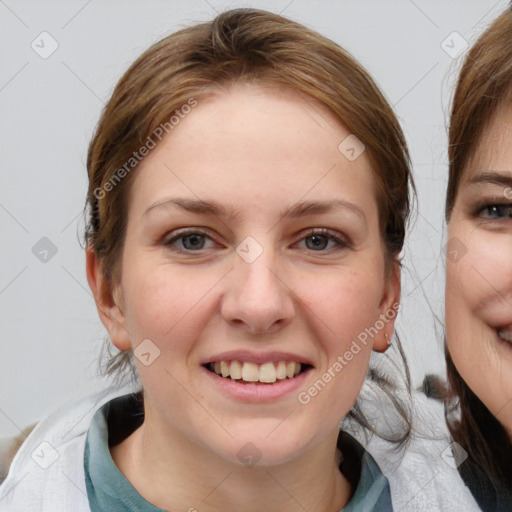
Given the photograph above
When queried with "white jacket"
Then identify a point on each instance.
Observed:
(47, 473)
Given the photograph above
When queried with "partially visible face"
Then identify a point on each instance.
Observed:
(479, 272)
(267, 301)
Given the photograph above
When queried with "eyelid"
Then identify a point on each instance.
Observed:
(485, 203)
(341, 240)
(479, 207)
(181, 233)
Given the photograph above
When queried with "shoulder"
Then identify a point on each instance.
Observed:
(370, 487)
(423, 476)
(9, 446)
(48, 467)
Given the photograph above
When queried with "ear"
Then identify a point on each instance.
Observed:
(108, 302)
(388, 309)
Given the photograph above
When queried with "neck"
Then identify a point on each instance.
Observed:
(180, 475)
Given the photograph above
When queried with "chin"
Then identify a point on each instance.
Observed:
(258, 450)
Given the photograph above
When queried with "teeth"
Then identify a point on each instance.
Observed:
(235, 370)
(281, 370)
(267, 372)
(252, 372)
(505, 335)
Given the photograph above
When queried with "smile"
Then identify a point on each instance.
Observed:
(505, 334)
(266, 373)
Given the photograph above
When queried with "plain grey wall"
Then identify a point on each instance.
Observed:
(52, 88)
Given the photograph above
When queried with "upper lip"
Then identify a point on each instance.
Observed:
(257, 357)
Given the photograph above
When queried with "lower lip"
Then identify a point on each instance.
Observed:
(257, 392)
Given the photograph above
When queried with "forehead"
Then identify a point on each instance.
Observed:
(259, 141)
(494, 148)
(259, 117)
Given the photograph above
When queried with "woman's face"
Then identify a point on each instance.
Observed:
(479, 272)
(253, 247)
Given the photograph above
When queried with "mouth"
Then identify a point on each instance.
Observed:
(505, 333)
(249, 372)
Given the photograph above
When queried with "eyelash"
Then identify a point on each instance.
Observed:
(480, 208)
(331, 235)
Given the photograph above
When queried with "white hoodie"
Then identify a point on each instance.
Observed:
(47, 473)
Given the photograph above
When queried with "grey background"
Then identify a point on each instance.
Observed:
(50, 331)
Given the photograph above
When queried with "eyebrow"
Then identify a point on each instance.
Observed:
(495, 178)
(297, 210)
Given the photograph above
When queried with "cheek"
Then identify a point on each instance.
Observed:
(342, 312)
(478, 296)
(164, 302)
(466, 292)
(490, 256)
(479, 280)
(346, 299)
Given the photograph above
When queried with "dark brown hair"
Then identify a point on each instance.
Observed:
(238, 46)
(484, 83)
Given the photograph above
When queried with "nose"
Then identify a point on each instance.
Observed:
(257, 297)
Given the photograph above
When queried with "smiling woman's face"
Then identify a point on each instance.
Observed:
(222, 271)
(479, 272)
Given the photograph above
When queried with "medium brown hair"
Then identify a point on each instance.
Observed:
(484, 84)
(238, 46)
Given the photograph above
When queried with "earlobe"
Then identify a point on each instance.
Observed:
(108, 302)
(388, 307)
